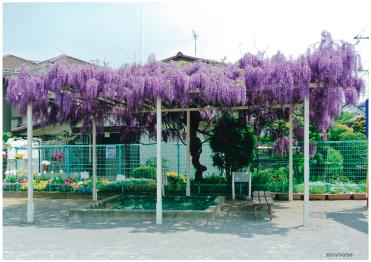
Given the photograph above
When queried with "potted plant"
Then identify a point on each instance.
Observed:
(298, 192)
(45, 164)
(298, 196)
(338, 193)
(59, 157)
(341, 196)
(317, 192)
(359, 192)
(359, 196)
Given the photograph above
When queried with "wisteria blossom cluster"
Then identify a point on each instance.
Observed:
(281, 147)
(70, 93)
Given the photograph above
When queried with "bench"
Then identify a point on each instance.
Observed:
(262, 198)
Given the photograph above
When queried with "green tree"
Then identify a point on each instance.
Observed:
(359, 125)
(233, 143)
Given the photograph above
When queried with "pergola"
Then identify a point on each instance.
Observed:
(90, 93)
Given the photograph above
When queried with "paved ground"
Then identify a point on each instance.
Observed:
(338, 230)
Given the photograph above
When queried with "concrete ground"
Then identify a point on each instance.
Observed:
(338, 230)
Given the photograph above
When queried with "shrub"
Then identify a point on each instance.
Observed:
(317, 187)
(145, 171)
(152, 162)
(327, 164)
(335, 162)
(354, 159)
(214, 179)
(352, 136)
(12, 179)
(359, 124)
(57, 180)
(340, 188)
(271, 176)
(331, 188)
(336, 132)
(233, 143)
(131, 184)
(175, 178)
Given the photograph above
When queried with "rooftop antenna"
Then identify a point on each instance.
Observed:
(195, 36)
(359, 38)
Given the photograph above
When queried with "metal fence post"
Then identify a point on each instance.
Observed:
(178, 147)
(15, 159)
(120, 160)
(68, 160)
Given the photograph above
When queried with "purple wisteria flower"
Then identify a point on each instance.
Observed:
(84, 93)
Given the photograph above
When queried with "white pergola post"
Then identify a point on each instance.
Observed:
(291, 170)
(94, 127)
(159, 164)
(30, 211)
(233, 189)
(188, 155)
(306, 161)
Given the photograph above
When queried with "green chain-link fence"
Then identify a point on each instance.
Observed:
(333, 163)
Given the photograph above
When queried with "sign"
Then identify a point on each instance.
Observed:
(120, 178)
(110, 152)
(241, 177)
(84, 175)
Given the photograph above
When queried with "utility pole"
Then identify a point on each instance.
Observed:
(357, 40)
(195, 36)
(141, 33)
(105, 63)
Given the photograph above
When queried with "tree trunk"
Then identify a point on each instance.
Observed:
(196, 146)
(228, 173)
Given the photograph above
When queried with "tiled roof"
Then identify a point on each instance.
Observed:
(181, 57)
(70, 60)
(12, 63)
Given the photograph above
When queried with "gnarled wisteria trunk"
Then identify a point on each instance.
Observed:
(196, 146)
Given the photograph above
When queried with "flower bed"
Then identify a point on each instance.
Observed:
(333, 188)
(175, 185)
(69, 184)
(47, 183)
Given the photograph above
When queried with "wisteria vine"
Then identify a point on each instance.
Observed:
(70, 93)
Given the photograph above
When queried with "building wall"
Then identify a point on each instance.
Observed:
(6, 111)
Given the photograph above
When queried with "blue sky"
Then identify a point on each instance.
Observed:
(112, 32)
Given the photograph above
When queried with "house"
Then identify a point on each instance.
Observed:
(12, 120)
(11, 66)
(15, 123)
(358, 110)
